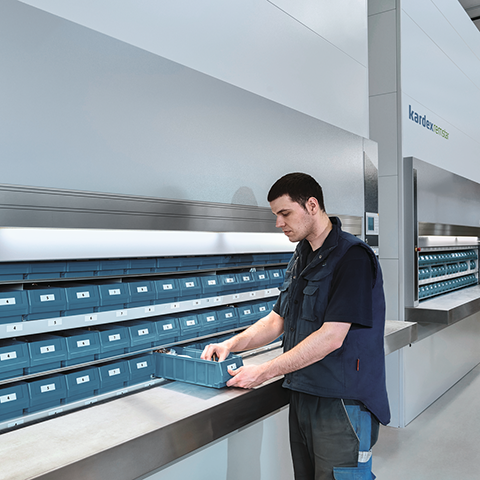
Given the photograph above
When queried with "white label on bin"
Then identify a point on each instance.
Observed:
(211, 318)
(47, 349)
(190, 322)
(212, 282)
(8, 398)
(113, 338)
(247, 312)
(262, 309)
(115, 371)
(142, 365)
(229, 315)
(8, 356)
(233, 366)
(7, 301)
(115, 291)
(47, 388)
(90, 318)
(168, 326)
(121, 313)
(83, 343)
(14, 327)
(83, 295)
(84, 379)
(142, 289)
(144, 331)
(276, 274)
(53, 322)
(261, 276)
(246, 279)
(47, 298)
(168, 286)
(190, 284)
(230, 280)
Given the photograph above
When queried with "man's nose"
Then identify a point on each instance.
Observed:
(279, 223)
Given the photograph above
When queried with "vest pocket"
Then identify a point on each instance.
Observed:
(309, 300)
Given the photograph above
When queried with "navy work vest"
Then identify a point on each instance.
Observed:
(356, 371)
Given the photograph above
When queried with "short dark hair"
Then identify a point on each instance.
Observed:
(299, 187)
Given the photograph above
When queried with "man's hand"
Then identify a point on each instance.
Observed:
(218, 349)
(248, 376)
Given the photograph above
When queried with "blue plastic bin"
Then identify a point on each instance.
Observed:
(143, 334)
(141, 293)
(141, 265)
(46, 393)
(262, 279)
(168, 330)
(81, 299)
(81, 268)
(82, 384)
(113, 296)
(187, 366)
(260, 309)
(46, 303)
(14, 399)
(246, 314)
(168, 290)
(229, 283)
(211, 286)
(167, 264)
(13, 271)
(13, 306)
(190, 288)
(113, 376)
(246, 282)
(113, 267)
(114, 340)
(14, 358)
(141, 369)
(228, 317)
(82, 346)
(47, 352)
(41, 270)
(209, 321)
(190, 326)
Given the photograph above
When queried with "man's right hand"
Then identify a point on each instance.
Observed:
(218, 349)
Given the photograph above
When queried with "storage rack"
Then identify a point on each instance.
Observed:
(143, 303)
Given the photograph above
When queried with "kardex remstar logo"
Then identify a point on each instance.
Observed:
(424, 122)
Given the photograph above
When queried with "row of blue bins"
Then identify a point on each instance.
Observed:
(10, 271)
(43, 352)
(432, 289)
(51, 302)
(446, 257)
(447, 269)
(53, 391)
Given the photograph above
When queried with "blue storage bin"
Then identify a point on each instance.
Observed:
(46, 303)
(228, 317)
(14, 399)
(262, 279)
(187, 366)
(82, 384)
(167, 290)
(246, 282)
(188, 263)
(113, 376)
(209, 321)
(141, 369)
(14, 358)
(114, 340)
(167, 264)
(82, 346)
(47, 352)
(112, 267)
(143, 334)
(276, 277)
(113, 296)
(260, 309)
(141, 293)
(13, 306)
(228, 282)
(13, 271)
(142, 265)
(246, 314)
(39, 270)
(81, 268)
(211, 286)
(260, 258)
(190, 326)
(271, 303)
(81, 299)
(212, 261)
(168, 330)
(190, 288)
(46, 393)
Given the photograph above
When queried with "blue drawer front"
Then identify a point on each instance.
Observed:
(167, 264)
(246, 282)
(47, 352)
(246, 314)
(46, 392)
(81, 299)
(212, 261)
(113, 267)
(229, 283)
(13, 305)
(168, 290)
(211, 285)
(189, 326)
(113, 376)
(209, 321)
(143, 334)
(228, 317)
(113, 296)
(82, 346)
(141, 369)
(142, 265)
(13, 271)
(114, 340)
(260, 309)
(46, 270)
(276, 277)
(46, 303)
(14, 399)
(190, 288)
(262, 279)
(188, 263)
(82, 384)
(168, 330)
(261, 258)
(14, 357)
(141, 293)
(80, 268)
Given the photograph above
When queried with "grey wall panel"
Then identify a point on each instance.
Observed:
(83, 111)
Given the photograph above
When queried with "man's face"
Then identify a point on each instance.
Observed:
(295, 222)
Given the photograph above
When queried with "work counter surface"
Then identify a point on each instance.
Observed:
(141, 432)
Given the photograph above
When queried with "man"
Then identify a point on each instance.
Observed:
(331, 310)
